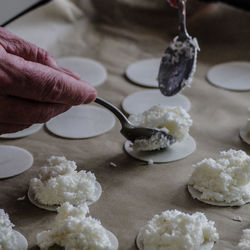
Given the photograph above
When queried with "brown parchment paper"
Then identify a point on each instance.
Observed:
(134, 191)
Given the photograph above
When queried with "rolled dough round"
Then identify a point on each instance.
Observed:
(28, 131)
(244, 135)
(31, 196)
(177, 151)
(231, 76)
(141, 101)
(82, 121)
(140, 246)
(144, 72)
(114, 241)
(89, 70)
(14, 161)
(21, 241)
(111, 236)
(197, 195)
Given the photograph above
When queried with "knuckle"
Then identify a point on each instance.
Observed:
(45, 58)
(53, 88)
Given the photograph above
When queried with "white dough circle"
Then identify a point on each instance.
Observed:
(140, 246)
(177, 151)
(114, 241)
(231, 76)
(245, 136)
(196, 194)
(82, 121)
(32, 199)
(28, 131)
(89, 70)
(144, 72)
(141, 101)
(14, 161)
(21, 241)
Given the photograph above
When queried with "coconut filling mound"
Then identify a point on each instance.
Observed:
(187, 49)
(8, 239)
(244, 243)
(173, 229)
(226, 179)
(172, 120)
(60, 182)
(72, 229)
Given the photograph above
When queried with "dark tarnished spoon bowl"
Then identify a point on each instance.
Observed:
(178, 63)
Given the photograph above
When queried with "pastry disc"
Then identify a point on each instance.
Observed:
(89, 70)
(197, 195)
(177, 151)
(245, 136)
(113, 240)
(144, 72)
(231, 76)
(31, 196)
(82, 121)
(141, 101)
(14, 161)
(21, 241)
(28, 131)
(139, 243)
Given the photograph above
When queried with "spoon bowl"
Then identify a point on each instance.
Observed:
(131, 132)
(178, 63)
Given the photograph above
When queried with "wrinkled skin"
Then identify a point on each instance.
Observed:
(33, 88)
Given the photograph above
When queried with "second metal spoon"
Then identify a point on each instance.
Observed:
(178, 63)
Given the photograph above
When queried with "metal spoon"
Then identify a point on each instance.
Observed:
(130, 131)
(178, 64)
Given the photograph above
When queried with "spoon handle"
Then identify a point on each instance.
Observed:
(122, 118)
(183, 34)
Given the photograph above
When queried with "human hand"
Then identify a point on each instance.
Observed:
(33, 88)
(173, 3)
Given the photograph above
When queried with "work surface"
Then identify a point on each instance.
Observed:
(134, 191)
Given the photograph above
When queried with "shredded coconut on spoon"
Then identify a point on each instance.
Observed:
(172, 120)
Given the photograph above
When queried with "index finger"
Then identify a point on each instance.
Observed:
(39, 82)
